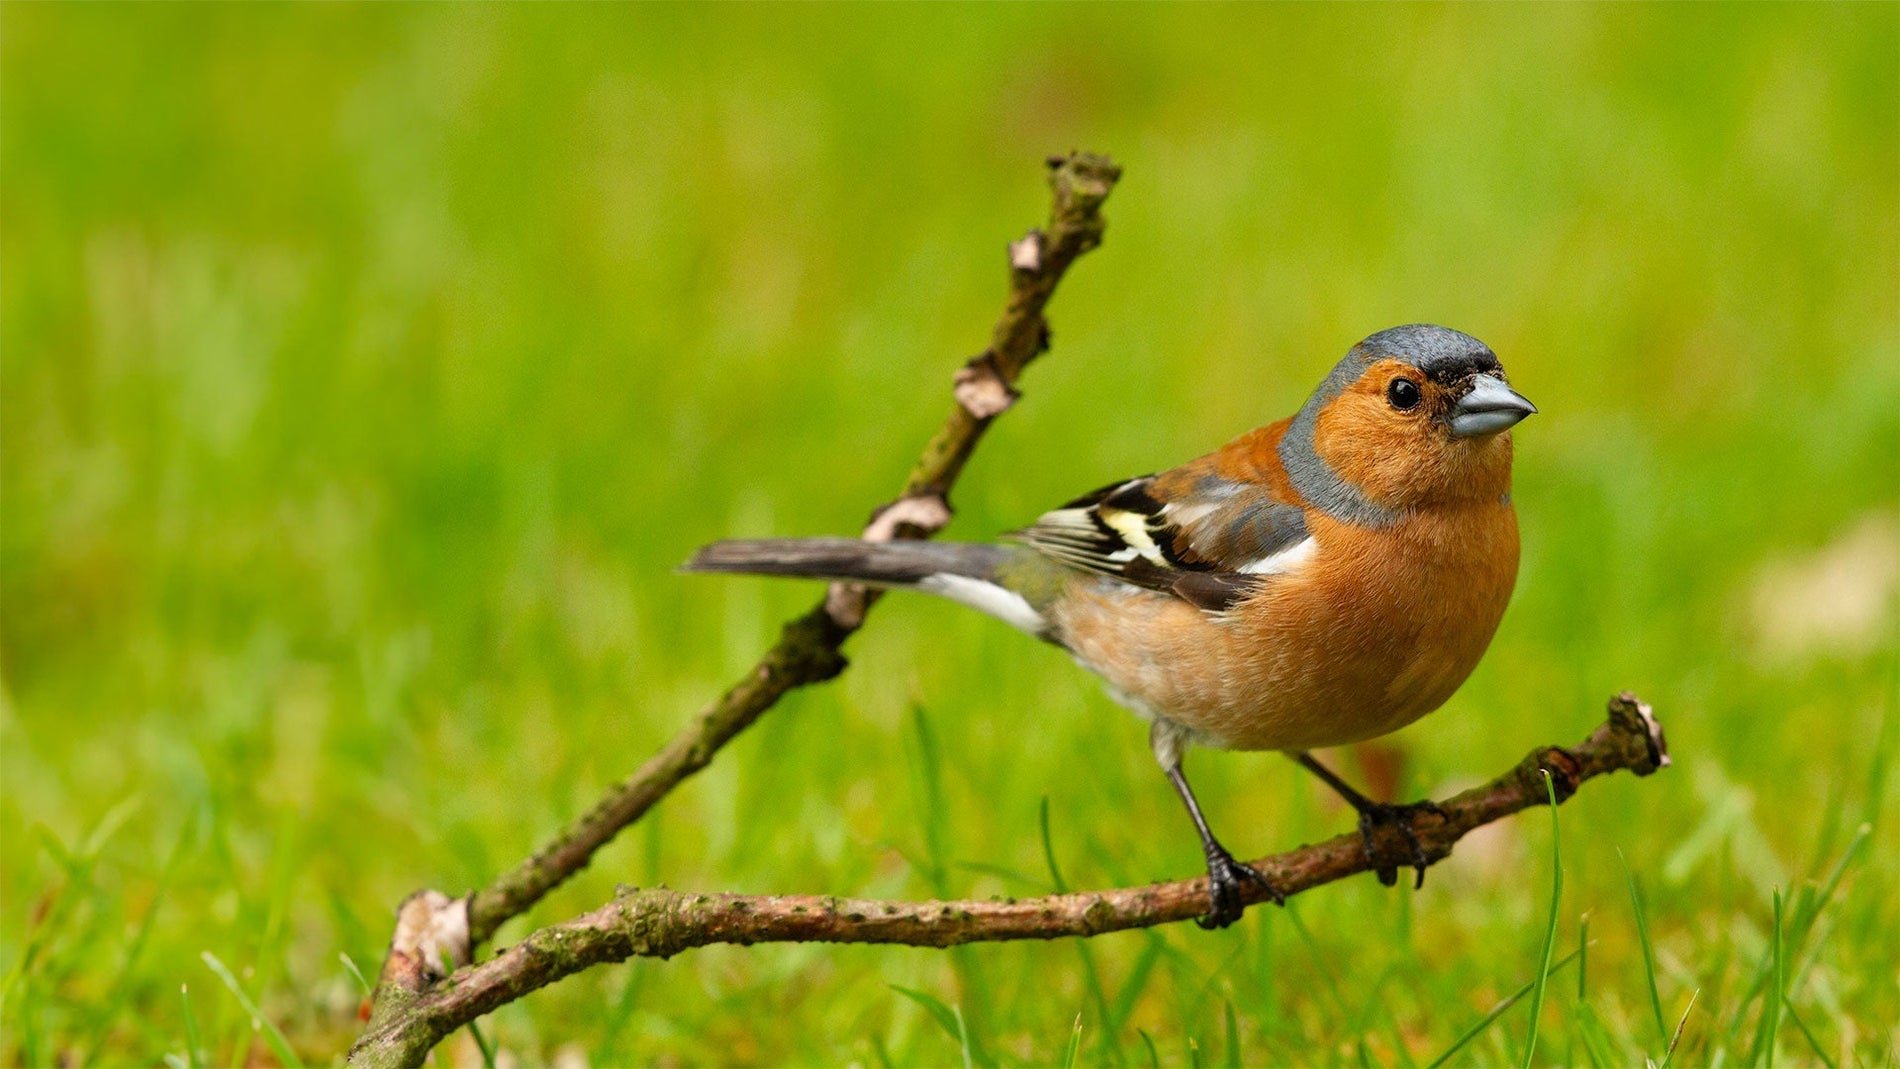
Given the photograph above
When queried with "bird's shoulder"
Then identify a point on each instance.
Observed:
(1210, 531)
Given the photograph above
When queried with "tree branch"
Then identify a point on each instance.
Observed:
(431, 927)
(807, 650)
(660, 923)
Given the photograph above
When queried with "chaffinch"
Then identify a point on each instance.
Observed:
(1319, 581)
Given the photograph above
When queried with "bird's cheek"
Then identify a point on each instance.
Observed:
(1369, 451)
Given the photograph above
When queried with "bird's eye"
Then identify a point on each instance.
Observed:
(1403, 394)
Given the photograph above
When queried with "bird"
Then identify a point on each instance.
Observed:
(1315, 582)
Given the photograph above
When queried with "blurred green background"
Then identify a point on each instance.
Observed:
(367, 370)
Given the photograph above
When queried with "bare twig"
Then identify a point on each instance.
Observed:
(807, 652)
(808, 648)
(660, 923)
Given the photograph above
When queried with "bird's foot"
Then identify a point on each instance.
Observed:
(1375, 815)
(1224, 878)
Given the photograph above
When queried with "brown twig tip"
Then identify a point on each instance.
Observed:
(1082, 180)
(1637, 713)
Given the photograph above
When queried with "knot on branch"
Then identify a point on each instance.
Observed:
(1025, 254)
(430, 942)
(1566, 772)
(980, 388)
(652, 922)
(910, 516)
(916, 515)
(807, 649)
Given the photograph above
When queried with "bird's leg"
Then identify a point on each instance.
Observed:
(1373, 814)
(1224, 874)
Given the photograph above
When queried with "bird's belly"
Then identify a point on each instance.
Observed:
(1312, 662)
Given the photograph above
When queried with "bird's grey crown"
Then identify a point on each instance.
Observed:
(1443, 354)
(1440, 352)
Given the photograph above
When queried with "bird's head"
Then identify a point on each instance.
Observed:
(1413, 416)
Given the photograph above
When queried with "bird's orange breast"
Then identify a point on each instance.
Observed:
(1379, 628)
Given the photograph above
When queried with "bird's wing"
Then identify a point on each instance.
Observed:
(1203, 536)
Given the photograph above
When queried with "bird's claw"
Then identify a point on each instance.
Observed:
(1224, 877)
(1380, 814)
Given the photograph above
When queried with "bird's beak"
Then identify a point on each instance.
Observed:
(1490, 407)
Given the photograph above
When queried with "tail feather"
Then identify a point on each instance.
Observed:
(903, 563)
(963, 572)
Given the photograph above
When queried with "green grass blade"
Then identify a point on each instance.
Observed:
(1649, 952)
(1292, 914)
(278, 1044)
(1804, 921)
(1676, 1039)
(1092, 978)
(1779, 994)
(946, 1018)
(1814, 902)
(129, 972)
(1886, 742)
(619, 1015)
(1862, 836)
(1091, 975)
(1586, 1027)
(58, 907)
(194, 1042)
(1137, 981)
(927, 784)
(39, 960)
(1504, 1005)
(1049, 851)
(1583, 956)
(1204, 995)
(349, 964)
(1813, 1043)
(1075, 1044)
(1375, 1001)
(1402, 1057)
(1550, 925)
(1232, 1034)
(481, 1044)
(109, 825)
(985, 868)
(1154, 1056)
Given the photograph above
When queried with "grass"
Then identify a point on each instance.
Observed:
(365, 372)
(1550, 926)
(1649, 953)
(279, 1046)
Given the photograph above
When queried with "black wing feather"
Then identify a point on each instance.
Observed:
(1127, 531)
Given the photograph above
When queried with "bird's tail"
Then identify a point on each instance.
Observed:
(964, 572)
